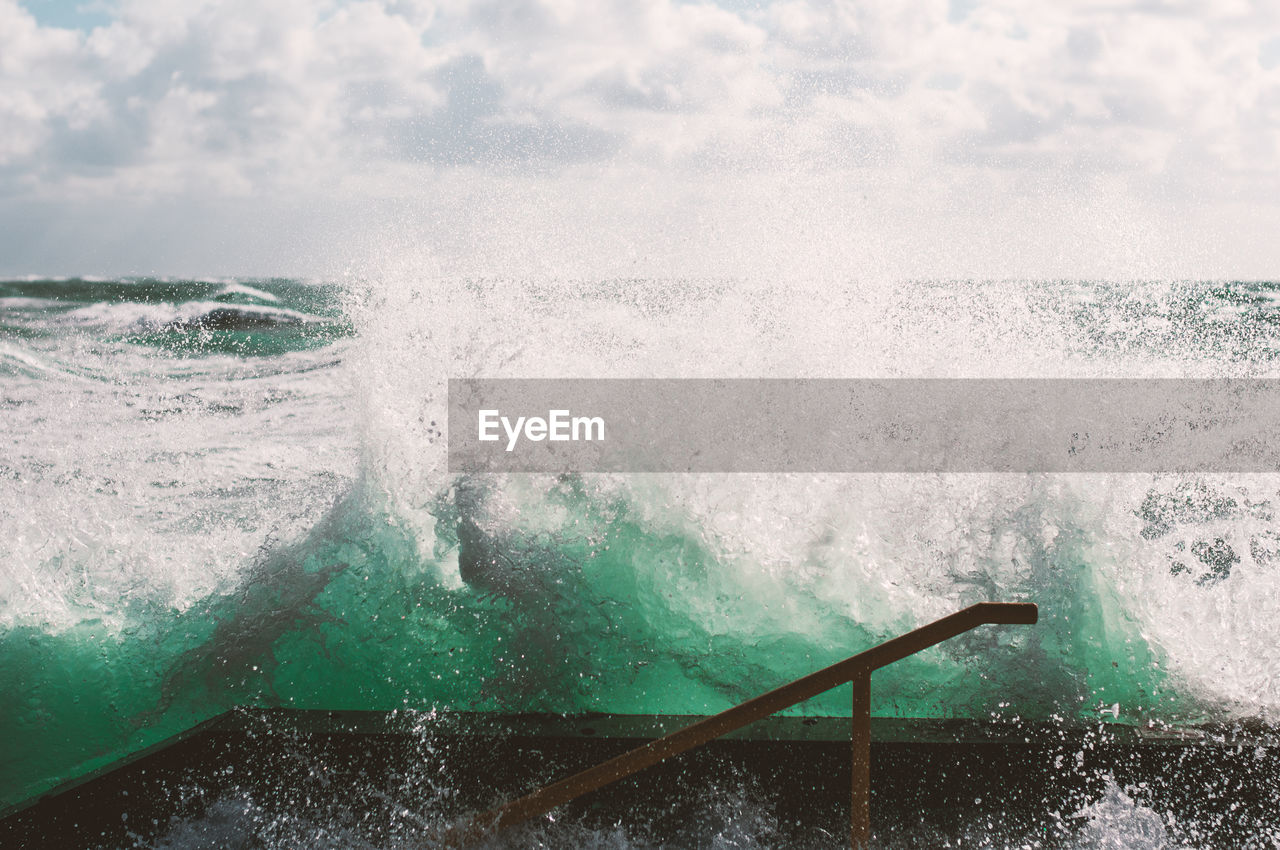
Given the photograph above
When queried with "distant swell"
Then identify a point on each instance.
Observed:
(192, 315)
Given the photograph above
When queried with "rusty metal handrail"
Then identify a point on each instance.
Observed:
(856, 669)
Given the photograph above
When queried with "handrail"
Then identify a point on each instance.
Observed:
(856, 669)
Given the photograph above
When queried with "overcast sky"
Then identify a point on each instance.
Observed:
(651, 137)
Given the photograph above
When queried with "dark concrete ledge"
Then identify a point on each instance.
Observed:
(335, 765)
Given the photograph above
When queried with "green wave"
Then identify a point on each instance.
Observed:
(620, 618)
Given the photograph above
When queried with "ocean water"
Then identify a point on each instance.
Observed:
(234, 492)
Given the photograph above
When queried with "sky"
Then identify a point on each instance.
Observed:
(563, 138)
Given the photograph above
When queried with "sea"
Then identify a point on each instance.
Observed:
(235, 492)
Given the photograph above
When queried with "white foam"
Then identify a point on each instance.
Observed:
(158, 481)
(880, 550)
(247, 291)
(1115, 821)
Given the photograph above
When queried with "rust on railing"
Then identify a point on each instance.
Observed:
(856, 669)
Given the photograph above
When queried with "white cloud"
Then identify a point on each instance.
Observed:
(928, 118)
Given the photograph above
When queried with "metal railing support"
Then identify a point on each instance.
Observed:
(856, 669)
(860, 800)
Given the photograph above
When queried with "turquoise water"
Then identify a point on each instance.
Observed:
(221, 493)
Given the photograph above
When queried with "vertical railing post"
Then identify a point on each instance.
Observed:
(860, 800)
